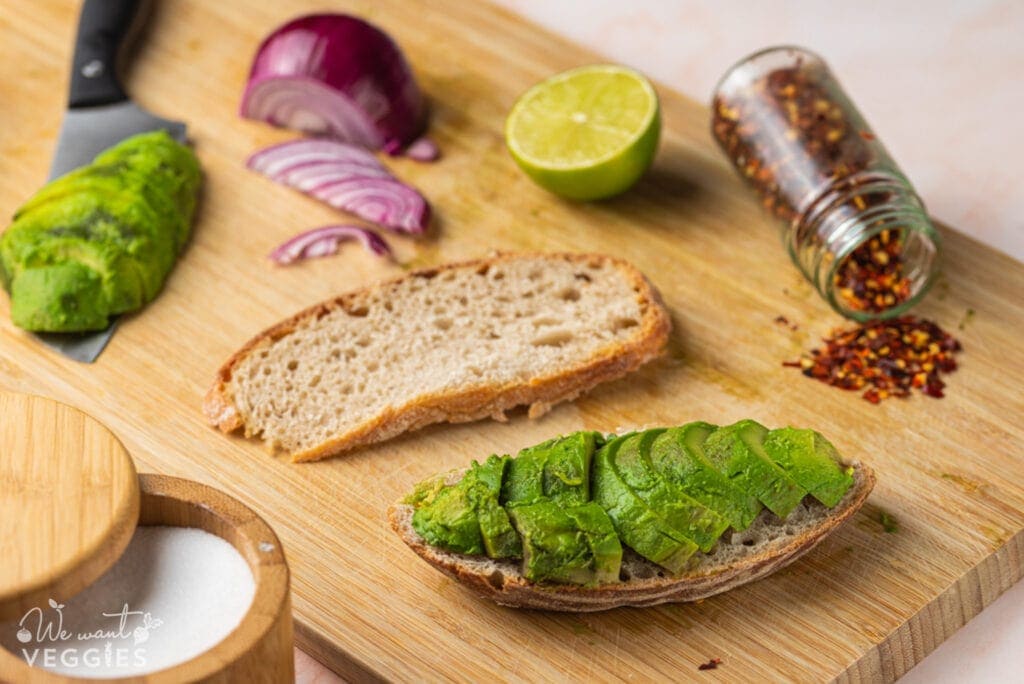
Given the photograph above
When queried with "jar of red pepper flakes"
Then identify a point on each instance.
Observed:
(853, 223)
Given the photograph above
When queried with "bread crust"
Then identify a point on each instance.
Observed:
(611, 363)
(506, 586)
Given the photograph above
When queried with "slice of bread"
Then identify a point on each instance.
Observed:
(739, 557)
(455, 343)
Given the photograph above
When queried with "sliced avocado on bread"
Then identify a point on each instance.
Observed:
(678, 456)
(467, 517)
(638, 525)
(634, 541)
(557, 468)
(737, 451)
(554, 547)
(599, 532)
(811, 461)
(694, 520)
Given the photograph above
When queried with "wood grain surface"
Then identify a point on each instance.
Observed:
(69, 502)
(866, 605)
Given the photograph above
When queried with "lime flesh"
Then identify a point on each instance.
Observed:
(587, 133)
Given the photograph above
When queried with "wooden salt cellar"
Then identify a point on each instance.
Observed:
(70, 500)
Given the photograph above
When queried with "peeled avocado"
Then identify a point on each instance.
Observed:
(568, 506)
(737, 451)
(697, 522)
(811, 461)
(104, 236)
(678, 456)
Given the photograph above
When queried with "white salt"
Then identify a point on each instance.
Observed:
(175, 593)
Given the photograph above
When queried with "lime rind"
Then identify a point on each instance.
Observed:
(541, 96)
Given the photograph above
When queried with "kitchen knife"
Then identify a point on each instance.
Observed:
(99, 115)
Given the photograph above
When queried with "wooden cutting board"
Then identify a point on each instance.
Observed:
(865, 605)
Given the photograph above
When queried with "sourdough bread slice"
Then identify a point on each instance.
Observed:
(455, 343)
(739, 557)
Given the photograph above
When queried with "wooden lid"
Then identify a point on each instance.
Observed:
(69, 502)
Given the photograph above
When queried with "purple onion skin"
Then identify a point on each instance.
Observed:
(350, 56)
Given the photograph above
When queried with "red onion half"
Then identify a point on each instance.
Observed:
(338, 76)
(324, 241)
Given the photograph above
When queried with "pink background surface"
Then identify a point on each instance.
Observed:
(942, 83)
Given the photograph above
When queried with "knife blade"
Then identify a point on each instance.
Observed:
(100, 114)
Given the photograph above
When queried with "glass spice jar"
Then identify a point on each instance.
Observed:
(853, 224)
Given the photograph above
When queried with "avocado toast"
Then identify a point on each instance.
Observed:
(643, 538)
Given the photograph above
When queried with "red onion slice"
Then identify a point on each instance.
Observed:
(278, 159)
(335, 75)
(311, 175)
(424, 150)
(324, 241)
(384, 201)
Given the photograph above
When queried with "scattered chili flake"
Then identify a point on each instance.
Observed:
(867, 135)
(710, 665)
(884, 358)
(782, 320)
(871, 278)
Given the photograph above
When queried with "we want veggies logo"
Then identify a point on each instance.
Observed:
(46, 642)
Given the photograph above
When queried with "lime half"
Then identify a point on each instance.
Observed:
(586, 133)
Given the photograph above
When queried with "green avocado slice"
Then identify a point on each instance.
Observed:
(737, 451)
(567, 469)
(466, 517)
(524, 480)
(695, 520)
(558, 469)
(554, 547)
(604, 544)
(448, 520)
(115, 224)
(80, 302)
(165, 166)
(637, 524)
(121, 187)
(811, 461)
(678, 455)
(499, 537)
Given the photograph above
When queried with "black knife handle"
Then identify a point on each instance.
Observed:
(102, 27)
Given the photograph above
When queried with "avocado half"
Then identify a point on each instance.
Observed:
(100, 240)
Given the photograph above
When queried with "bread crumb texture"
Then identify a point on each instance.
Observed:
(465, 331)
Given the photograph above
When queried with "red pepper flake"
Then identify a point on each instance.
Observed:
(884, 359)
(867, 135)
(871, 278)
(710, 665)
(782, 320)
